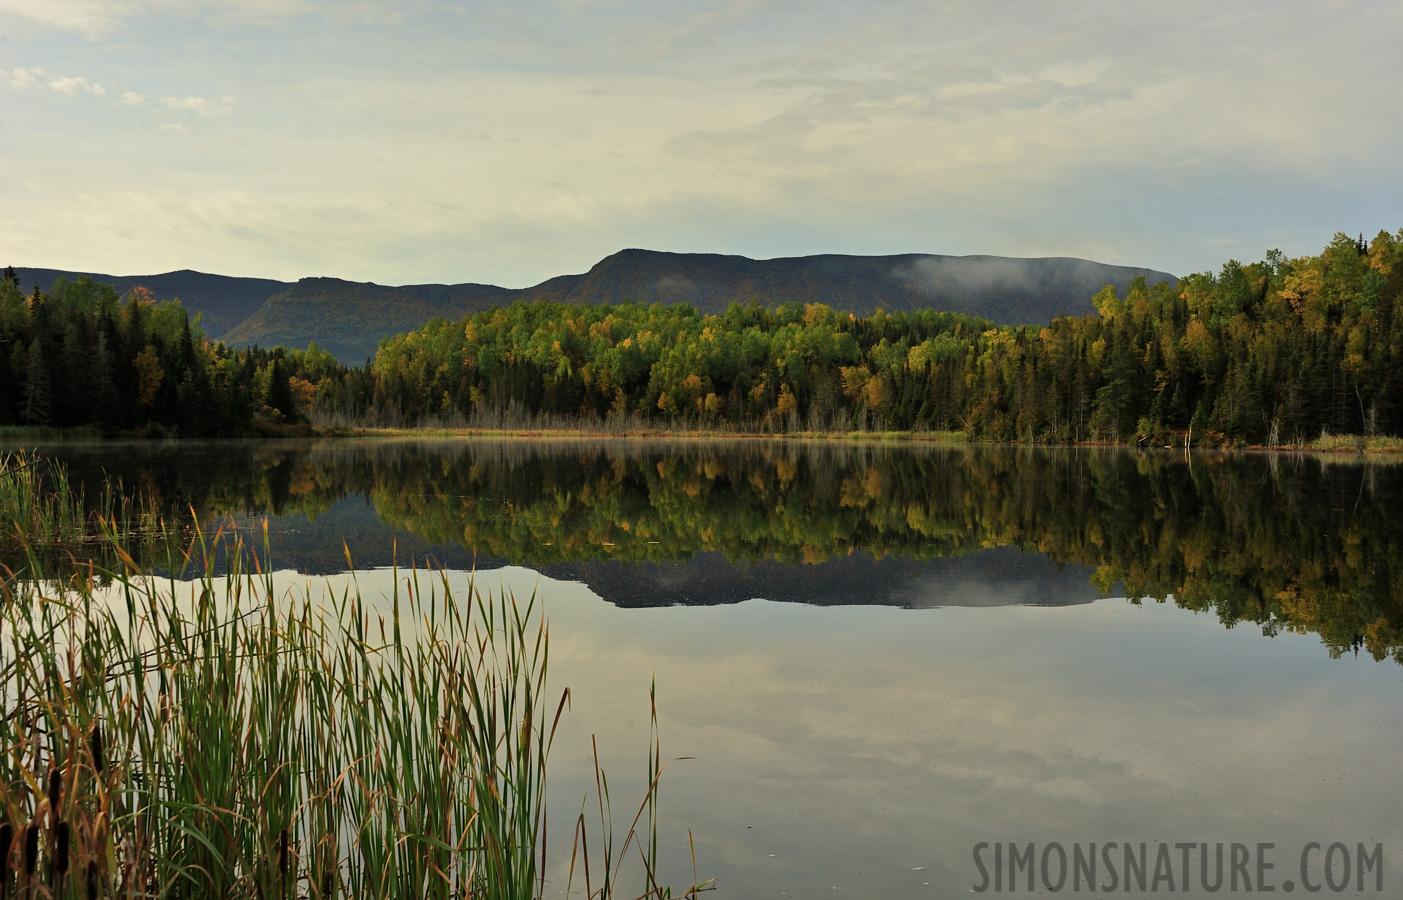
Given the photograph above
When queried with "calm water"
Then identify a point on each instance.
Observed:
(879, 657)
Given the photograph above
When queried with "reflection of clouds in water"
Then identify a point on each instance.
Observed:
(997, 576)
(892, 736)
(877, 739)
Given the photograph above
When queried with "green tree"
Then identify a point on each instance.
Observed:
(38, 393)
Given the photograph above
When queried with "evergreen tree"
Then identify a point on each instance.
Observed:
(280, 392)
(72, 394)
(106, 410)
(38, 394)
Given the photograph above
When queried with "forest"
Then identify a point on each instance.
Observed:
(1273, 352)
(81, 356)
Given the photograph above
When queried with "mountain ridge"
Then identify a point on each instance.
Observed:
(350, 318)
(224, 300)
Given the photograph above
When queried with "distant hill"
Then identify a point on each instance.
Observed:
(350, 318)
(345, 317)
(221, 300)
(1008, 291)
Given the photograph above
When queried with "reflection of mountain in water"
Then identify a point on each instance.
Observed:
(1000, 576)
(1286, 542)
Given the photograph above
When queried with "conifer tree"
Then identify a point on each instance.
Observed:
(38, 395)
(105, 408)
(280, 392)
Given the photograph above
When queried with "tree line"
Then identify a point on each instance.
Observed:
(1275, 351)
(80, 355)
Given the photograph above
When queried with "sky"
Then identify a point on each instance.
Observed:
(421, 142)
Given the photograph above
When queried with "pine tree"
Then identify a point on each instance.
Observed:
(280, 392)
(72, 394)
(38, 394)
(105, 409)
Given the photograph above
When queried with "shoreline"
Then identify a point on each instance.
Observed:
(1348, 445)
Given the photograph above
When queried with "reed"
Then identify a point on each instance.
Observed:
(43, 512)
(1357, 443)
(208, 738)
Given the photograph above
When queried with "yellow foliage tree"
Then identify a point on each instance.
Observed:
(304, 393)
(148, 375)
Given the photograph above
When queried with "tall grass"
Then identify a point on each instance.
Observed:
(1358, 443)
(42, 510)
(211, 739)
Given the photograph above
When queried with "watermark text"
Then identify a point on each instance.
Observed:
(1178, 866)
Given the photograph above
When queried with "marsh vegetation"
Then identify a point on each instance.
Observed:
(201, 735)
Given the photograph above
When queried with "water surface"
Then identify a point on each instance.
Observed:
(879, 656)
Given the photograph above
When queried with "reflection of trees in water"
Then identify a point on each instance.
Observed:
(1290, 542)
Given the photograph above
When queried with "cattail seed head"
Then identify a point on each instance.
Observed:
(7, 841)
(282, 852)
(55, 789)
(31, 848)
(95, 745)
(92, 880)
(61, 847)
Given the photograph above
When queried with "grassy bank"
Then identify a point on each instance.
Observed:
(643, 430)
(938, 437)
(1324, 444)
(1356, 443)
(209, 738)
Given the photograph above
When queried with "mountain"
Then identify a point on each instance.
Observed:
(350, 318)
(221, 300)
(345, 317)
(1005, 290)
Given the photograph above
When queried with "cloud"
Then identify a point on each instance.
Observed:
(966, 274)
(699, 30)
(200, 106)
(84, 16)
(76, 85)
(1171, 136)
(20, 78)
(100, 18)
(393, 18)
(71, 85)
(173, 127)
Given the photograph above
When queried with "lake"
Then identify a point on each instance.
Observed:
(880, 656)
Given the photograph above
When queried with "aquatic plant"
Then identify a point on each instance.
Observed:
(45, 513)
(208, 738)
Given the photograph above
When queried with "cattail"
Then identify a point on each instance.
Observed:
(61, 847)
(31, 848)
(92, 880)
(55, 789)
(95, 745)
(7, 840)
(282, 852)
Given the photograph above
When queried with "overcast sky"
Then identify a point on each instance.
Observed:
(420, 142)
